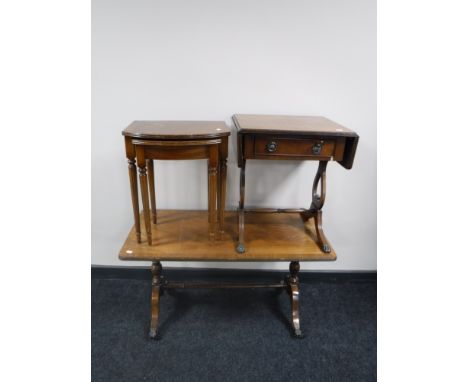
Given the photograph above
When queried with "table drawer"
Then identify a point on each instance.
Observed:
(294, 147)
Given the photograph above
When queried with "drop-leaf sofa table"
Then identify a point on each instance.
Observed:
(280, 137)
(180, 235)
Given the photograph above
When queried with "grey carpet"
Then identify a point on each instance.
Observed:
(233, 335)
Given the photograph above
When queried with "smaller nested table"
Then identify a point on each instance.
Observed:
(146, 141)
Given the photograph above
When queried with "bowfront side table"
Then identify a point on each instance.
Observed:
(146, 141)
(276, 137)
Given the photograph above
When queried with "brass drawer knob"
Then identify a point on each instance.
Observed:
(317, 148)
(271, 146)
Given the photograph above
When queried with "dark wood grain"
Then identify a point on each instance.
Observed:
(176, 129)
(141, 162)
(223, 154)
(172, 140)
(214, 150)
(156, 282)
(130, 153)
(159, 283)
(340, 142)
(277, 137)
(292, 281)
(152, 191)
(287, 124)
(267, 145)
(213, 166)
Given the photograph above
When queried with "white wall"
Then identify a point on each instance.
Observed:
(209, 59)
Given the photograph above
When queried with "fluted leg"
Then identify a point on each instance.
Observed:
(134, 192)
(222, 175)
(144, 191)
(152, 192)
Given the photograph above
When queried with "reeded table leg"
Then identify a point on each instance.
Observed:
(144, 191)
(222, 194)
(222, 175)
(293, 289)
(315, 209)
(134, 193)
(240, 245)
(155, 292)
(130, 152)
(150, 166)
(212, 188)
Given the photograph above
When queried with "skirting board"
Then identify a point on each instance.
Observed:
(216, 274)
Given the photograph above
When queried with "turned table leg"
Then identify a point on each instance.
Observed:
(152, 191)
(130, 152)
(221, 193)
(156, 282)
(212, 188)
(134, 193)
(240, 246)
(318, 201)
(144, 191)
(222, 176)
(293, 289)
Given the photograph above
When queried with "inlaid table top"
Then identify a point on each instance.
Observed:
(176, 129)
(278, 124)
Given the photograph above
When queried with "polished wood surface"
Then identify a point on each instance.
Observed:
(274, 235)
(156, 282)
(213, 166)
(292, 281)
(176, 140)
(130, 152)
(277, 137)
(181, 236)
(176, 129)
(291, 148)
(295, 138)
(212, 149)
(286, 124)
(141, 163)
(222, 178)
(152, 190)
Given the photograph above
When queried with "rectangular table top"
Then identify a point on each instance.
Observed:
(294, 129)
(176, 129)
(182, 235)
(254, 123)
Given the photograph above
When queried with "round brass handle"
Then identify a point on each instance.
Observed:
(317, 147)
(271, 146)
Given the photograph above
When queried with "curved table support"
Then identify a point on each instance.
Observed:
(159, 284)
(155, 292)
(315, 209)
(292, 281)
